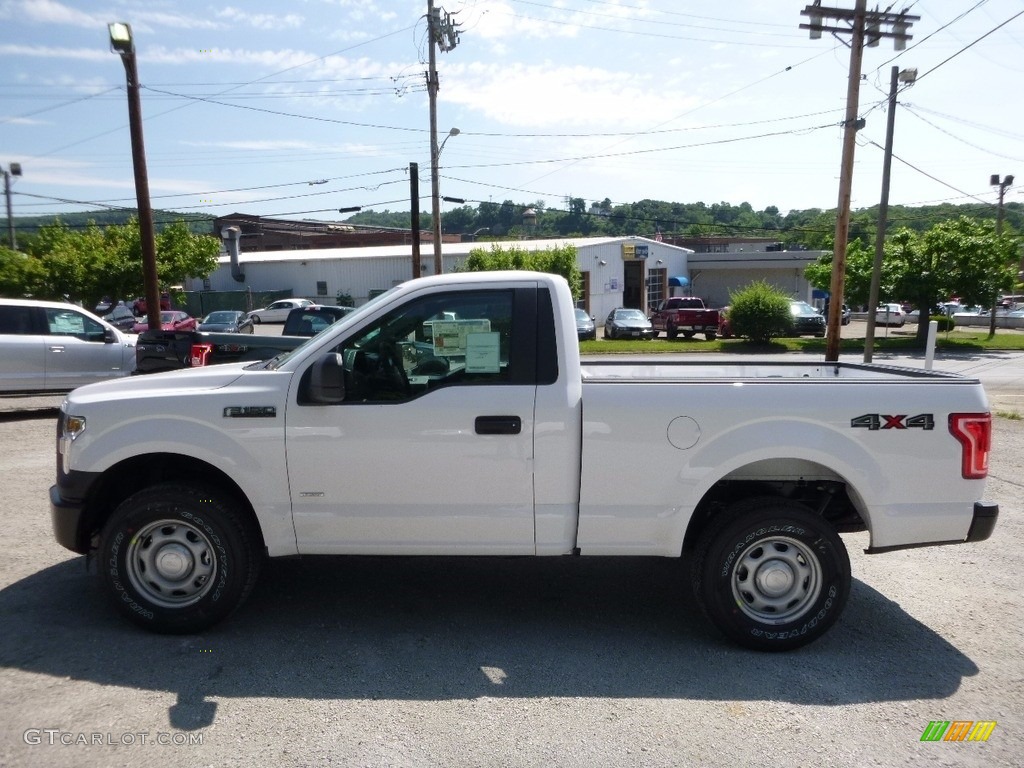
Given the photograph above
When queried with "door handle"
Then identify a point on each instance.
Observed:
(57, 348)
(498, 425)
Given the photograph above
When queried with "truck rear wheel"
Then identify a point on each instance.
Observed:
(710, 335)
(771, 574)
(178, 559)
(671, 331)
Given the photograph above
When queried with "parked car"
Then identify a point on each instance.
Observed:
(121, 317)
(685, 315)
(806, 319)
(890, 314)
(226, 321)
(585, 328)
(175, 320)
(277, 312)
(625, 323)
(845, 315)
(139, 305)
(49, 346)
(309, 321)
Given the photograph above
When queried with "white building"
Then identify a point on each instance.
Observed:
(617, 271)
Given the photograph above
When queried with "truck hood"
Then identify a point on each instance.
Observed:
(170, 382)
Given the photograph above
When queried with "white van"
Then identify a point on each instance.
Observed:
(50, 346)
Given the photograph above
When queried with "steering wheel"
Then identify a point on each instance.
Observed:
(390, 368)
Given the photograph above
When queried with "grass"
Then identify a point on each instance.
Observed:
(895, 341)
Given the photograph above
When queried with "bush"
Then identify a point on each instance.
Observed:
(945, 322)
(760, 312)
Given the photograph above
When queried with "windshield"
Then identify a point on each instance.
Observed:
(220, 317)
(802, 308)
(630, 314)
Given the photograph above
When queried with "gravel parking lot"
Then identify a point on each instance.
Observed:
(505, 662)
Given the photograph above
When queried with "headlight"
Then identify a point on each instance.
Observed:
(70, 428)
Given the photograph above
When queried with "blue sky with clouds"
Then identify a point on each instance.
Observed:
(300, 108)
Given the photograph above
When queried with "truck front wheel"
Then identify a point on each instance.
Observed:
(177, 559)
(771, 574)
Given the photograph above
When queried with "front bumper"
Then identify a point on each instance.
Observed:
(69, 513)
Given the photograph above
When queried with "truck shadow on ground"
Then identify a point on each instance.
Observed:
(445, 628)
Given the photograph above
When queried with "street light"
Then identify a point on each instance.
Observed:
(13, 170)
(122, 44)
(1003, 185)
(435, 197)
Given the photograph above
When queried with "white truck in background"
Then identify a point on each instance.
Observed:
(452, 416)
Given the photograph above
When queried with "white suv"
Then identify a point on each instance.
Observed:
(49, 346)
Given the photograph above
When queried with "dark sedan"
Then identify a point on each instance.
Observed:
(807, 321)
(585, 328)
(309, 321)
(226, 321)
(121, 316)
(624, 323)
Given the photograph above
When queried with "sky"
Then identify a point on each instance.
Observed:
(296, 109)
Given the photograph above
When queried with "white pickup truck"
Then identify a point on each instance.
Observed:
(452, 416)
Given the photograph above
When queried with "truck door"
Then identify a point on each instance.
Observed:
(431, 449)
(76, 350)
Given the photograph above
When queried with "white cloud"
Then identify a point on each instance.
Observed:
(50, 12)
(50, 52)
(22, 121)
(260, 20)
(546, 96)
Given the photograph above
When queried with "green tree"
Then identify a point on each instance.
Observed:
(86, 265)
(857, 284)
(560, 260)
(20, 274)
(759, 312)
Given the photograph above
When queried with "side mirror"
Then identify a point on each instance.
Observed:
(327, 380)
(109, 337)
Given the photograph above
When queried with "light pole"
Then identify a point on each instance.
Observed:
(121, 43)
(1003, 185)
(13, 170)
(908, 76)
(435, 195)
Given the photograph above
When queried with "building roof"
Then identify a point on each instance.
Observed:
(426, 249)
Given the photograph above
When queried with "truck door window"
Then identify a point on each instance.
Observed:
(458, 338)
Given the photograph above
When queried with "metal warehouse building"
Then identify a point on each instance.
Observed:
(617, 271)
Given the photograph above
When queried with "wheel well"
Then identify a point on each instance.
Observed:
(132, 475)
(828, 498)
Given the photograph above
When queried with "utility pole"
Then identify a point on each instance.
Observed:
(13, 170)
(865, 28)
(907, 76)
(121, 43)
(444, 34)
(1003, 185)
(414, 202)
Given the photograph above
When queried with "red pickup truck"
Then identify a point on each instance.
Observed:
(686, 315)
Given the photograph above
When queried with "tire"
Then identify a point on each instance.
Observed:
(710, 336)
(770, 538)
(178, 559)
(671, 331)
(256, 320)
(687, 334)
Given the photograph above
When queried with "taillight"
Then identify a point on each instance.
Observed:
(974, 431)
(200, 352)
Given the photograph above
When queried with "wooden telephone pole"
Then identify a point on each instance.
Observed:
(865, 28)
